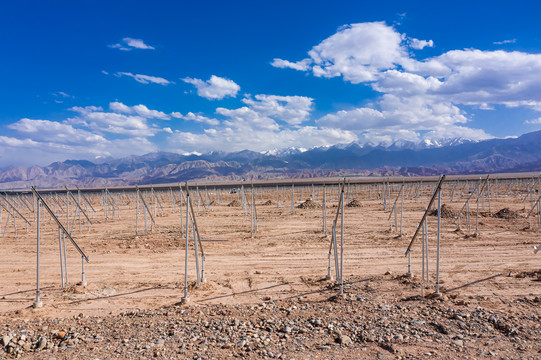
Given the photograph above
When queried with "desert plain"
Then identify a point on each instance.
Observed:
(266, 294)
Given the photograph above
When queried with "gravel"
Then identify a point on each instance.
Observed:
(356, 325)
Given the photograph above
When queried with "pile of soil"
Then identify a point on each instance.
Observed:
(309, 204)
(446, 212)
(354, 203)
(529, 274)
(268, 202)
(234, 203)
(505, 213)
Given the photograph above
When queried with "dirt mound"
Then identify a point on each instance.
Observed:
(309, 204)
(354, 203)
(529, 274)
(268, 202)
(505, 213)
(234, 203)
(446, 212)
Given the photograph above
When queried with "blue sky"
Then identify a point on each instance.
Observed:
(87, 79)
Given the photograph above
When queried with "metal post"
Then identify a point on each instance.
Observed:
(468, 216)
(38, 303)
(395, 218)
(349, 190)
(153, 204)
(409, 264)
(324, 207)
(83, 280)
(68, 212)
(292, 198)
(538, 214)
(384, 196)
(203, 279)
(186, 299)
(180, 209)
(477, 213)
(342, 245)
(172, 198)
(65, 259)
(145, 217)
(427, 253)
(7, 222)
(489, 196)
(335, 248)
(438, 245)
(24, 213)
(459, 225)
(61, 258)
(252, 214)
(329, 275)
(14, 218)
(198, 198)
(196, 254)
(401, 209)
(423, 259)
(243, 199)
(137, 213)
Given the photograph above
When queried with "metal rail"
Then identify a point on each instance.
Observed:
(14, 209)
(438, 187)
(85, 199)
(60, 226)
(78, 205)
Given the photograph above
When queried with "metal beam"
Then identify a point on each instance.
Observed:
(59, 223)
(438, 187)
(14, 209)
(78, 205)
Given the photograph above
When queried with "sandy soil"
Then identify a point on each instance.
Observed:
(287, 258)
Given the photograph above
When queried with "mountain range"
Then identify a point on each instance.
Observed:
(405, 159)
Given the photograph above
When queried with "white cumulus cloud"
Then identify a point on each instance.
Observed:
(302, 65)
(112, 122)
(420, 44)
(426, 97)
(357, 52)
(190, 116)
(140, 110)
(45, 130)
(232, 139)
(266, 122)
(40, 142)
(216, 88)
(293, 110)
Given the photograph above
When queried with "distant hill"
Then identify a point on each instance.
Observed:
(404, 159)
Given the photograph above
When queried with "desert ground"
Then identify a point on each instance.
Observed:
(268, 295)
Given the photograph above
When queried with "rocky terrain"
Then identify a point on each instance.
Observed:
(363, 323)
